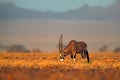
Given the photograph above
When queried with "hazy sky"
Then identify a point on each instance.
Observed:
(58, 5)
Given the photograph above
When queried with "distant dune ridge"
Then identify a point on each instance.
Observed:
(11, 11)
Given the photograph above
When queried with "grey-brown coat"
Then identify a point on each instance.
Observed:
(73, 48)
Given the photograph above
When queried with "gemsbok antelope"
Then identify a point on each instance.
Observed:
(73, 48)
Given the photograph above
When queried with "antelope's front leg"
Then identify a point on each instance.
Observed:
(73, 56)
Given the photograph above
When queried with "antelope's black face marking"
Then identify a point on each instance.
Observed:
(62, 56)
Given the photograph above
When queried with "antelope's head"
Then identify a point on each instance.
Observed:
(61, 54)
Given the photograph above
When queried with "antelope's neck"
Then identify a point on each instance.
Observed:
(67, 53)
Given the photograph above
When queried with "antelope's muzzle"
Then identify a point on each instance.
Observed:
(61, 59)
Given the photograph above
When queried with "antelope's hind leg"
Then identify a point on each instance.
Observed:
(85, 56)
(85, 52)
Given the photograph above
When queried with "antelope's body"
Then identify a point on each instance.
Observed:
(73, 48)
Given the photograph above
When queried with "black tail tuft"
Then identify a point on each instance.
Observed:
(87, 55)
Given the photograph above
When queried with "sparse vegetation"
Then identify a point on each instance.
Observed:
(103, 48)
(116, 50)
(17, 48)
(13, 48)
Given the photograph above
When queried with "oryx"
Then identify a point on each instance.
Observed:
(73, 48)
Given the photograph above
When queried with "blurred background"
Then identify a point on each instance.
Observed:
(36, 25)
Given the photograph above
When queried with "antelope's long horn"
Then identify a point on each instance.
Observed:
(60, 43)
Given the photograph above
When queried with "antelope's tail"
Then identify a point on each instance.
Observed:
(87, 55)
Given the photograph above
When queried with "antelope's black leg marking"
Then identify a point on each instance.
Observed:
(73, 56)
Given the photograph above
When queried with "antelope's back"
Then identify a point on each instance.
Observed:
(75, 46)
(81, 45)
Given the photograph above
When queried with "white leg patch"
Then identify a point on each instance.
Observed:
(61, 59)
(74, 59)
